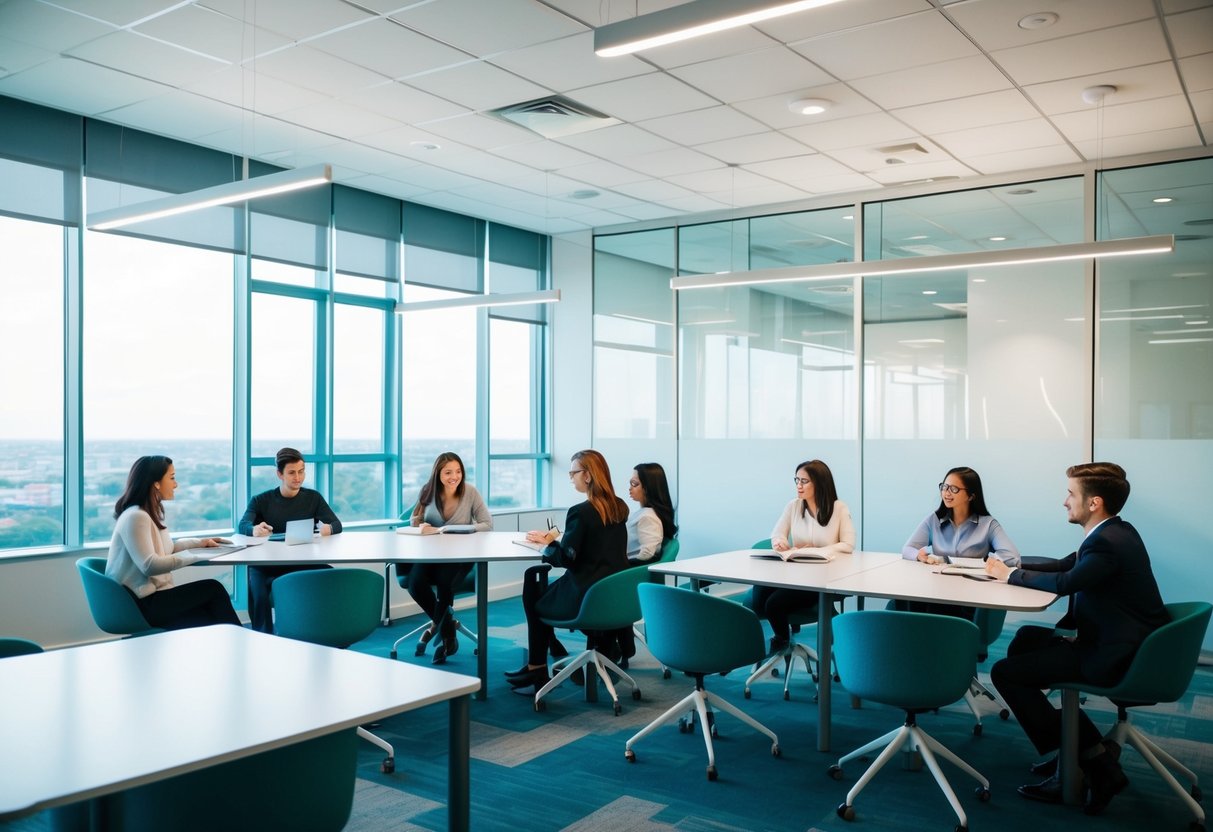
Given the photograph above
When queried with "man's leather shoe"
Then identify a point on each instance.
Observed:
(525, 670)
(1046, 791)
(1105, 780)
(1044, 768)
(538, 677)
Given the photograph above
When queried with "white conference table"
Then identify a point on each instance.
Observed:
(874, 574)
(85, 722)
(353, 547)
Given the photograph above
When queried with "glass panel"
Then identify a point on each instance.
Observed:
(512, 483)
(31, 420)
(366, 286)
(714, 247)
(801, 239)
(265, 477)
(358, 351)
(157, 376)
(358, 491)
(438, 384)
(283, 373)
(511, 390)
(285, 273)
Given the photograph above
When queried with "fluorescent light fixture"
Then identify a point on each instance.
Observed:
(932, 263)
(690, 20)
(1180, 341)
(511, 299)
(225, 194)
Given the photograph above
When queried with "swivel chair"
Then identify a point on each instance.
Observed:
(669, 553)
(989, 627)
(700, 635)
(914, 661)
(609, 604)
(1160, 672)
(112, 605)
(10, 647)
(336, 608)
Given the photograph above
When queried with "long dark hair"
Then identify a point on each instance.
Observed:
(977, 497)
(823, 490)
(139, 491)
(657, 496)
(601, 494)
(432, 491)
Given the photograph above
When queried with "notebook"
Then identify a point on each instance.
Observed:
(454, 528)
(793, 555)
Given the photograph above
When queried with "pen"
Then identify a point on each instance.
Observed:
(550, 526)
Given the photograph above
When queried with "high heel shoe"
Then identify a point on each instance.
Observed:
(450, 641)
(424, 641)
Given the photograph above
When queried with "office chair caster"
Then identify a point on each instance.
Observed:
(541, 706)
(1004, 714)
(685, 726)
(834, 772)
(787, 696)
(388, 765)
(960, 827)
(392, 655)
(665, 673)
(1196, 793)
(712, 772)
(629, 755)
(636, 694)
(977, 730)
(846, 812)
(618, 709)
(775, 750)
(746, 693)
(983, 794)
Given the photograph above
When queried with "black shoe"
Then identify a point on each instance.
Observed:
(1044, 768)
(556, 649)
(424, 641)
(439, 655)
(525, 670)
(537, 677)
(778, 645)
(1105, 780)
(450, 637)
(1046, 791)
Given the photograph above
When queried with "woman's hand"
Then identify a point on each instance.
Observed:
(542, 537)
(212, 542)
(926, 557)
(779, 544)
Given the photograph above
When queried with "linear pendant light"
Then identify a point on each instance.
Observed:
(690, 20)
(510, 299)
(934, 263)
(229, 192)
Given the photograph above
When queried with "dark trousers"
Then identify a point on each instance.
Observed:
(260, 593)
(432, 586)
(539, 635)
(1036, 659)
(778, 605)
(196, 604)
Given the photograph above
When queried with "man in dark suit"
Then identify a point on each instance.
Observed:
(1114, 605)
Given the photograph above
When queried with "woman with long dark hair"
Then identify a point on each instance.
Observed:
(960, 528)
(143, 554)
(815, 520)
(593, 546)
(652, 523)
(447, 499)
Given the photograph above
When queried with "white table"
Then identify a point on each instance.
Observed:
(75, 723)
(876, 574)
(352, 547)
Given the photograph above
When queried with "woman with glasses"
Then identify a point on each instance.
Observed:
(593, 546)
(652, 523)
(816, 520)
(960, 528)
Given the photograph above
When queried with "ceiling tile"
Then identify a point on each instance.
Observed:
(385, 185)
(1139, 83)
(1173, 138)
(317, 70)
(906, 174)
(479, 86)
(700, 126)
(431, 178)
(569, 63)
(995, 25)
(771, 193)
(773, 71)
(842, 183)
(1014, 160)
(47, 27)
(356, 156)
(1191, 33)
(654, 190)
(800, 171)
(1000, 138)
(339, 118)
(1197, 72)
(773, 110)
(79, 87)
(707, 48)
(642, 96)
(252, 91)
(412, 142)
(543, 154)
(208, 32)
(147, 58)
(482, 165)
(757, 148)
(16, 56)
(117, 12)
(887, 47)
(870, 130)
(389, 49)
(870, 160)
(935, 82)
(964, 113)
(1125, 119)
(403, 103)
(179, 114)
(720, 180)
(838, 16)
(617, 141)
(600, 173)
(484, 132)
(1107, 49)
(266, 138)
(297, 19)
(488, 28)
(1202, 102)
(669, 163)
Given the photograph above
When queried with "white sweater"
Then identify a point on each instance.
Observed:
(142, 556)
(644, 535)
(804, 532)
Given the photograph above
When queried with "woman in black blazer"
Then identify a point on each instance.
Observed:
(594, 545)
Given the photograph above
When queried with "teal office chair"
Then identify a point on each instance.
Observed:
(10, 647)
(700, 635)
(668, 554)
(112, 605)
(610, 604)
(788, 656)
(336, 608)
(989, 628)
(1160, 672)
(914, 661)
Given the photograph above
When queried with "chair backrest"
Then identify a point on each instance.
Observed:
(905, 659)
(333, 607)
(765, 543)
(1166, 660)
(610, 603)
(112, 605)
(669, 551)
(17, 647)
(989, 625)
(699, 633)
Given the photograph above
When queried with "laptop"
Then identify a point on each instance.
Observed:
(297, 531)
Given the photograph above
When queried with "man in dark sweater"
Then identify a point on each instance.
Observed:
(267, 514)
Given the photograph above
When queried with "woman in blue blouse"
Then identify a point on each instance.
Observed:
(960, 528)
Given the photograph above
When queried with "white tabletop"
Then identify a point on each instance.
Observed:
(739, 566)
(93, 720)
(910, 580)
(386, 547)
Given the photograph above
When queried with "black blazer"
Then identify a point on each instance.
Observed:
(1114, 599)
(590, 550)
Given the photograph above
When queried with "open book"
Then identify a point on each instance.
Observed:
(454, 528)
(538, 547)
(802, 555)
(974, 571)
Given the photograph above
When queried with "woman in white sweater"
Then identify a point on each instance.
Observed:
(143, 554)
(816, 520)
(652, 523)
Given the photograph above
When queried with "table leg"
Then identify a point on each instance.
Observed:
(459, 774)
(1067, 754)
(825, 675)
(482, 628)
(387, 595)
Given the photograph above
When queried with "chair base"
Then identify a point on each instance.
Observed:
(1163, 764)
(977, 688)
(698, 702)
(564, 668)
(788, 655)
(459, 627)
(389, 763)
(914, 739)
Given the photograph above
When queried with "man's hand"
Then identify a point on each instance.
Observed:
(262, 529)
(997, 568)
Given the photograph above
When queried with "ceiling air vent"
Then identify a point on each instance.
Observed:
(554, 117)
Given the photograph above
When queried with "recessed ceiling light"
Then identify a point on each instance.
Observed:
(1162, 200)
(979, 280)
(917, 237)
(929, 292)
(426, 145)
(584, 193)
(849, 217)
(998, 239)
(809, 106)
(1040, 20)
(1195, 323)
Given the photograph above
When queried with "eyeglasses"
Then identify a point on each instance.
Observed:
(634, 483)
(951, 489)
(575, 472)
(801, 480)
